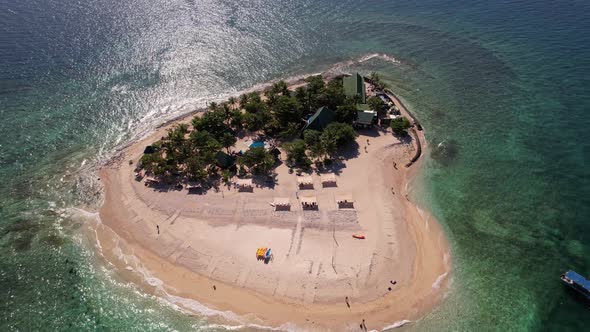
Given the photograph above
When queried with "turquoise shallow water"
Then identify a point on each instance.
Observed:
(501, 88)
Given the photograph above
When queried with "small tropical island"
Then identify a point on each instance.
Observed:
(289, 205)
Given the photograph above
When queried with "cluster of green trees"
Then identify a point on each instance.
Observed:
(319, 145)
(378, 105)
(191, 152)
(257, 160)
(183, 152)
(377, 82)
(279, 114)
(400, 126)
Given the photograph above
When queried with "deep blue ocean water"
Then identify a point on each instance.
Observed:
(502, 88)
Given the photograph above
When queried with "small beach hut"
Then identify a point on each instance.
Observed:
(328, 180)
(282, 203)
(344, 201)
(244, 184)
(309, 202)
(305, 182)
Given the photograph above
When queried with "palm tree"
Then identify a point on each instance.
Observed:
(283, 88)
(271, 97)
(225, 107)
(231, 100)
(227, 141)
(377, 82)
(212, 106)
(244, 99)
(183, 128)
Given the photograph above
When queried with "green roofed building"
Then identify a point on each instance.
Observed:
(354, 85)
(224, 160)
(320, 119)
(364, 119)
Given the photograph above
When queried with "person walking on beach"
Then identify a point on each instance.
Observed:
(347, 303)
(158, 228)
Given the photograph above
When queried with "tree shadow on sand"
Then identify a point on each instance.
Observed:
(164, 186)
(265, 181)
(405, 139)
(337, 162)
(349, 151)
(374, 131)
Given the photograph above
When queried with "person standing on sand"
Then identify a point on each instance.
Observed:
(347, 303)
(158, 228)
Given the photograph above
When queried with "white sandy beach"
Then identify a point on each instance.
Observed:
(210, 239)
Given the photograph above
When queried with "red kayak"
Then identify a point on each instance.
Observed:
(356, 236)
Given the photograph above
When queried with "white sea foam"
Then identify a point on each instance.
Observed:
(446, 258)
(133, 264)
(287, 327)
(78, 213)
(197, 307)
(186, 304)
(381, 56)
(338, 67)
(396, 325)
(436, 284)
